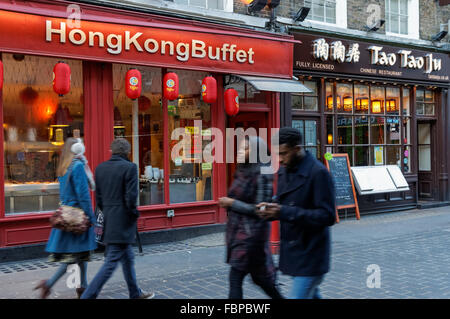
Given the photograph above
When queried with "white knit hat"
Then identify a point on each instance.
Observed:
(78, 148)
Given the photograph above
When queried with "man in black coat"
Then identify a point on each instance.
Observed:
(305, 206)
(116, 195)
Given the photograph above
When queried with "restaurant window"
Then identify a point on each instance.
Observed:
(306, 101)
(36, 122)
(361, 99)
(425, 102)
(369, 124)
(329, 101)
(140, 121)
(190, 174)
(322, 10)
(344, 98)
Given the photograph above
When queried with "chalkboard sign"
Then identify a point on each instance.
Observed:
(339, 167)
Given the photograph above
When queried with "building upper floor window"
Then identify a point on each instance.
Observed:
(322, 10)
(402, 17)
(397, 16)
(207, 4)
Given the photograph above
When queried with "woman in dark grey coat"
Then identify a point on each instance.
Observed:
(247, 235)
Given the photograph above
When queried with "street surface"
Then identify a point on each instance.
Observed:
(410, 249)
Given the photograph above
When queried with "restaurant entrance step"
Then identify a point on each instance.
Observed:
(431, 204)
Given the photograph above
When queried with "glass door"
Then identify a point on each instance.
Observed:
(427, 180)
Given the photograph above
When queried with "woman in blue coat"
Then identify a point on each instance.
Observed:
(74, 178)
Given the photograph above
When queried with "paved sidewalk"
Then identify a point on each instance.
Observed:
(410, 248)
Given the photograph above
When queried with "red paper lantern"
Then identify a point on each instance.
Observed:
(209, 89)
(61, 78)
(231, 102)
(133, 84)
(1, 75)
(144, 103)
(170, 86)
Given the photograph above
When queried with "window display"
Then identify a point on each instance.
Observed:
(140, 121)
(373, 121)
(190, 174)
(36, 122)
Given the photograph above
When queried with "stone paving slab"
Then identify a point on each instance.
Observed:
(410, 248)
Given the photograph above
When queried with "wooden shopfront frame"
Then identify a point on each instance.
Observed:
(97, 97)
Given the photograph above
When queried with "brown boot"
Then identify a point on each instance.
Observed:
(80, 291)
(45, 291)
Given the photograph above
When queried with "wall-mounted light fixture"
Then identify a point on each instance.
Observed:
(377, 25)
(301, 14)
(439, 36)
(256, 5)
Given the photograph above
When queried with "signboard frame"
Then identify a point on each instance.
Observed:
(304, 59)
(355, 205)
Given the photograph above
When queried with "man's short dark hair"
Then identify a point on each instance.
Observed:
(290, 136)
(120, 146)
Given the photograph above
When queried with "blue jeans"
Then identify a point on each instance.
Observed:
(306, 287)
(114, 254)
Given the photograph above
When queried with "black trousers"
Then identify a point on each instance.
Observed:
(259, 276)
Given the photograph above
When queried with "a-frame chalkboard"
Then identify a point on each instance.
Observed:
(339, 167)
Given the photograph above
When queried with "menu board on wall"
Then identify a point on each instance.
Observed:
(339, 167)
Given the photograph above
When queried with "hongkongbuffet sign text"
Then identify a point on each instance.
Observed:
(164, 47)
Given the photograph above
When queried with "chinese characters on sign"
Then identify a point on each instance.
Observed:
(336, 52)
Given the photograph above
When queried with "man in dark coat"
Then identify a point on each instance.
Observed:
(305, 206)
(116, 195)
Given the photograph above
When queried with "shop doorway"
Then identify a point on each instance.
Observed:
(245, 120)
(426, 160)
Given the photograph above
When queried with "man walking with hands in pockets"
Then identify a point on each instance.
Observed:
(116, 195)
(305, 206)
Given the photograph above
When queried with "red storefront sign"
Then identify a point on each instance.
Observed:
(145, 45)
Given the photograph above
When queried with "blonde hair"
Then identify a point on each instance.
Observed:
(66, 157)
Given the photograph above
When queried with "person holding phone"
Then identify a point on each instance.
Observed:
(305, 206)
